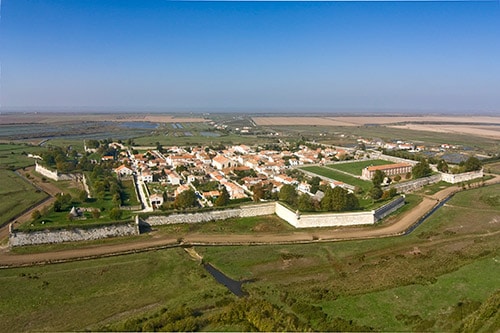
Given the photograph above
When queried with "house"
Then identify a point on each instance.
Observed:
(304, 187)
(221, 162)
(174, 178)
(107, 158)
(123, 170)
(181, 189)
(156, 200)
(146, 177)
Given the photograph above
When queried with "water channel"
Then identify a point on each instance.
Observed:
(233, 285)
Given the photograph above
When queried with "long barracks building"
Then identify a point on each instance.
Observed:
(389, 170)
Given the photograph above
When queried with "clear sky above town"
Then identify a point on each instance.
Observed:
(173, 55)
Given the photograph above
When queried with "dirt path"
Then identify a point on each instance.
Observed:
(164, 241)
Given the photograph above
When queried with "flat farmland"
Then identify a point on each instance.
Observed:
(492, 131)
(16, 195)
(356, 168)
(370, 120)
(15, 156)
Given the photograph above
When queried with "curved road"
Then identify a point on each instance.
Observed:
(153, 241)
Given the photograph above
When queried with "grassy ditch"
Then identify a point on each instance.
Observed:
(17, 195)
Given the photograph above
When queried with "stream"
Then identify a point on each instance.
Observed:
(233, 285)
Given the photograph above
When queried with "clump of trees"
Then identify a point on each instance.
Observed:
(471, 164)
(186, 199)
(421, 169)
(335, 199)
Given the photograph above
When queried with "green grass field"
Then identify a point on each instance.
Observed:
(17, 195)
(89, 294)
(356, 168)
(332, 174)
(14, 156)
(493, 168)
(130, 195)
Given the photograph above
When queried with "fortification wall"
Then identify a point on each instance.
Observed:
(413, 185)
(258, 210)
(19, 238)
(54, 175)
(216, 215)
(324, 219)
(46, 172)
(395, 159)
(389, 208)
(193, 217)
(461, 177)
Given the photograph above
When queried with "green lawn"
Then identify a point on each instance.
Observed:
(129, 191)
(356, 168)
(16, 195)
(335, 175)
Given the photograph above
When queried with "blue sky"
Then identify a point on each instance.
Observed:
(310, 56)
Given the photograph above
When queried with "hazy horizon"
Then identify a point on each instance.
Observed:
(252, 57)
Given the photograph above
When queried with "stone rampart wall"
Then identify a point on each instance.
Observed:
(396, 159)
(193, 217)
(216, 215)
(54, 175)
(324, 219)
(20, 238)
(46, 172)
(413, 185)
(461, 177)
(258, 210)
(389, 208)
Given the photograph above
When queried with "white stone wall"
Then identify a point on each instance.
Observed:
(18, 238)
(54, 175)
(324, 219)
(216, 215)
(258, 210)
(46, 172)
(193, 217)
(461, 177)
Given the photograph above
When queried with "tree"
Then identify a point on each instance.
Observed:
(288, 194)
(96, 213)
(376, 192)
(339, 199)
(82, 195)
(397, 178)
(421, 169)
(378, 177)
(304, 203)
(223, 198)
(36, 215)
(442, 166)
(185, 199)
(258, 192)
(472, 164)
(57, 206)
(314, 182)
(115, 214)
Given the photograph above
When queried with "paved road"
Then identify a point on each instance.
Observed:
(152, 240)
